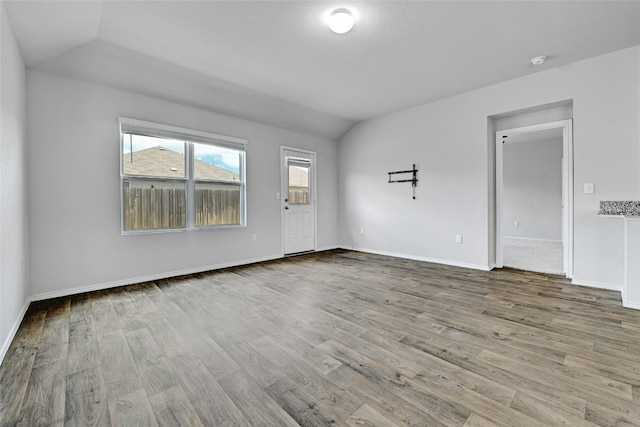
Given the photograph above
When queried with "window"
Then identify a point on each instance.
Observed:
(298, 181)
(174, 178)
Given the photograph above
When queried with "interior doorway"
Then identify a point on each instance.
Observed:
(298, 200)
(534, 198)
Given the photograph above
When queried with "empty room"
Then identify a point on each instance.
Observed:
(320, 213)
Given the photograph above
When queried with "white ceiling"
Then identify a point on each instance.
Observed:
(281, 53)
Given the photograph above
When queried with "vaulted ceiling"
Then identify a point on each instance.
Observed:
(278, 63)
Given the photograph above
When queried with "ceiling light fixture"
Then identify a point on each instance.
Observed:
(538, 60)
(341, 21)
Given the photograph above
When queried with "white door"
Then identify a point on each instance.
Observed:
(298, 201)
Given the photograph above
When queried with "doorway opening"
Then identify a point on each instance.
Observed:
(298, 177)
(534, 198)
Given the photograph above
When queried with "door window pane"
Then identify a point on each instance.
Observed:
(298, 184)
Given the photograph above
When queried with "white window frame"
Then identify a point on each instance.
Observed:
(189, 136)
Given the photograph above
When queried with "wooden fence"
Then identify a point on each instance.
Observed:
(217, 207)
(298, 195)
(152, 208)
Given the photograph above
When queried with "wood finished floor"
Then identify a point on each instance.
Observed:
(334, 338)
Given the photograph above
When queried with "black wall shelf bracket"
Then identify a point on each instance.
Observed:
(413, 180)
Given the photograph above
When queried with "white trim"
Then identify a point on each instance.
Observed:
(185, 131)
(567, 187)
(14, 329)
(567, 153)
(328, 248)
(420, 258)
(498, 210)
(132, 281)
(143, 279)
(625, 277)
(532, 238)
(149, 278)
(599, 285)
(629, 304)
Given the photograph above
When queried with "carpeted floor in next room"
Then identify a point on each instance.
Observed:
(543, 256)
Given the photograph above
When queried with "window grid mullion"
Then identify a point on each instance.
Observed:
(191, 190)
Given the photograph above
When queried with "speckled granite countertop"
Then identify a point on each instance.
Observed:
(626, 208)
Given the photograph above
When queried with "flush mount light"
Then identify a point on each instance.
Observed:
(538, 60)
(341, 21)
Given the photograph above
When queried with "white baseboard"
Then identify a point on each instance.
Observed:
(328, 248)
(14, 329)
(152, 277)
(149, 278)
(631, 304)
(100, 286)
(420, 258)
(599, 285)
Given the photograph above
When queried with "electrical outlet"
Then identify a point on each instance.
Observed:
(589, 188)
(362, 230)
(254, 237)
(458, 238)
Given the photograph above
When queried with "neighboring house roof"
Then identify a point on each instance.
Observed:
(160, 161)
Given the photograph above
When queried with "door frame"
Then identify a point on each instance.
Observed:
(284, 189)
(567, 188)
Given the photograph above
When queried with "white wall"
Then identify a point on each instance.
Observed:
(450, 140)
(532, 189)
(14, 288)
(562, 110)
(74, 189)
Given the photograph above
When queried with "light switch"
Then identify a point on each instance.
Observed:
(589, 188)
